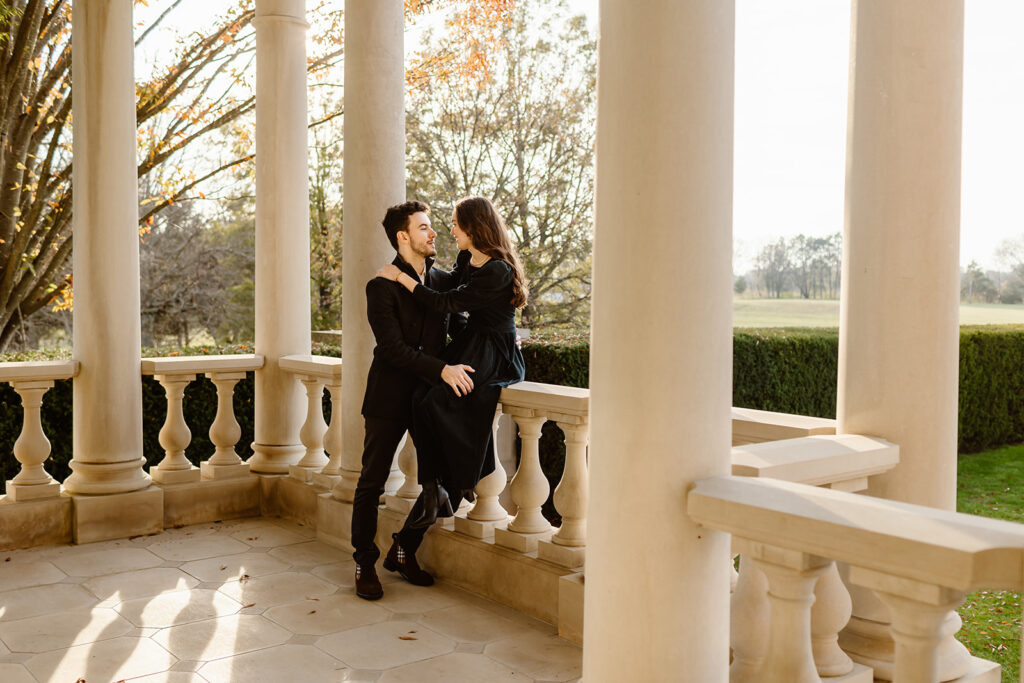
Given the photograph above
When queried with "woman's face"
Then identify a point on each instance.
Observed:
(462, 240)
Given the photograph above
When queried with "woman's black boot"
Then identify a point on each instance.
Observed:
(433, 503)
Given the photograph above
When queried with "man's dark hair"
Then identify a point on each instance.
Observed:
(397, 219)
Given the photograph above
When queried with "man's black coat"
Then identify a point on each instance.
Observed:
(410, 339)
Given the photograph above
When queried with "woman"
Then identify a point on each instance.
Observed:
(451, 429)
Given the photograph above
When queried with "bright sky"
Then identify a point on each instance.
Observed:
(792, 60)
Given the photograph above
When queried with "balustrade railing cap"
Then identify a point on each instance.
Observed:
(553, 397)
(816, 460)
(937, 547)
(186, 365)
(27, 371)
(764, 425)
(326, 367)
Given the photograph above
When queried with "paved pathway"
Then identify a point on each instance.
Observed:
(251, 600)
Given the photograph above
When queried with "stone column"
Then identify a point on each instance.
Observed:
(282, 231)
(657, 595)
(107, 336)
(374, 180)
(899, 335)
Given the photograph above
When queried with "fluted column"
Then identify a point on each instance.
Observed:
(282, 230)
(899, 335)
(660, 400)
(107, 432)
(374, 180)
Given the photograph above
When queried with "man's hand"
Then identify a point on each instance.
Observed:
(455, 376)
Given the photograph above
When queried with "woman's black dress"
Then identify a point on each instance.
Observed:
(452, 433)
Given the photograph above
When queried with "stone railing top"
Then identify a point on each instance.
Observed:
(749, 425)
(816, 460)
(190, 365)
(33, 370)
(934, 547)
(553, 398)
(325, 367)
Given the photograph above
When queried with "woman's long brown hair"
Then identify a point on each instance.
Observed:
(478, 218)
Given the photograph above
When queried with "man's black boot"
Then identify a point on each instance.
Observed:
(398, 560)
(367, 584)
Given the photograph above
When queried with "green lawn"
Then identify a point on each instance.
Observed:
(825, 313)
(991, 484)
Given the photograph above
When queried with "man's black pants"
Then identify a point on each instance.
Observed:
(379, 446)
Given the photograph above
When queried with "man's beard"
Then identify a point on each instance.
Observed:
(425, 251)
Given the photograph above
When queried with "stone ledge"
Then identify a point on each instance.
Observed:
(24, 524)
(117, 515)
(210, 500)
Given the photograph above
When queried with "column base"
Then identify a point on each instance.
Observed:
(267, 459)
(524, 543)
(45, 521)
(21, 493)
(982, 671)
(566, 556)
(210, 500)
(117, 515)
(104, 478)
(478, 529)
(570, 607)
(188, 476)
(208, 471)
(860, 674)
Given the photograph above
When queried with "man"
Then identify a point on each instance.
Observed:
(409, 340)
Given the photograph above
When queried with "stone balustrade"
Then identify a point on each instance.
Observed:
(174, 374)
(755, 426)
(31, 380)
(320, 439)
(920, 562)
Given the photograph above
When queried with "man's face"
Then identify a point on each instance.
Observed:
(421, 235)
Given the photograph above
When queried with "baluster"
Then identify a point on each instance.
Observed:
(791, 578)
(829, 614)
(312, 432)
(529, 490)
(32, 447)
(487, 513)
(225, 431)
(331, 472)
(402, 500)
(175, 435)
(749, 619)
(567, 545)
(921, 625)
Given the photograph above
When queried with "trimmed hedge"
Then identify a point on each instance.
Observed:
(784, 370)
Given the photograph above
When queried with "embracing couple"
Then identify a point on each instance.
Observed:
(444, 396)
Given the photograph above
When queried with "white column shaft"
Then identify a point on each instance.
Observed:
(107, 434)
(660, 400)
(374, 180)
(282, 230)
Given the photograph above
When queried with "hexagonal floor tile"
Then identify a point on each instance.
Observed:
(385, 645)
(171, 677)
(64, 629)
(179, 607)
(458, 666)
(107, 561)
(268, 536)
(140, 583)
(186, 549)
(223, 637)
(312, 553)
(32, 602)
(108, 660)
(15, 673)
(400, 596)
(466, 623)
(545, 657)
(15, 575)
(281, 663)
(327, 615)
(277, 589)
(232, 567)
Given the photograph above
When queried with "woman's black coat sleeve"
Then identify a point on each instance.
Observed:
(488, 285)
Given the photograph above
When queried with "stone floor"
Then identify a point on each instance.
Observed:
(251, 600)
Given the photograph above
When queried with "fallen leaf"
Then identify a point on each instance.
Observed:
(312, 611)
(243, 578)
(406, 638)
(251, 604)
(252, 538)
(7, 560)
(223, 567)
(309, 597)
